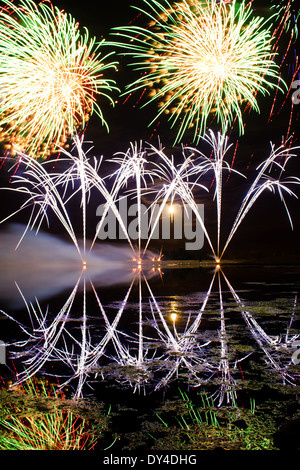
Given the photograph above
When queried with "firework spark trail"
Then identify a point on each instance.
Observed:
(220, 148)
(209, 58)
(288, 14)
(263, 182)
(171, 339)
(88, 176)
(176, 185)
(285, 18)
(217, 164)
(52, 75)
(256, 329)
(47, 337)
(84, 346)
(176, 182)
(174, 370)
(94, 353)
(42, 191)
(228, 383)
(183, 350)
(110, 200)
(138, 171)
(47, 190)
(294, 337)
(140, 322)
(260, 336)
(111, 331)
(123, 357)
(132, 164)
(78, 172)
(195, 325)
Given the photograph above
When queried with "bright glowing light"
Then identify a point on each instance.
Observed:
(171, 209)
(207, 58)
(173, 316)
(50, 77)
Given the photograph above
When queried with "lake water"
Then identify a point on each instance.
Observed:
(138, 341)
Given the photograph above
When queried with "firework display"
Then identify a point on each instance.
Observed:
(45, 190)
(50, 77)
(210, 58)
(165, 262)
(288, 14)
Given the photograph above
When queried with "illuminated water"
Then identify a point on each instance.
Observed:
(133, 339)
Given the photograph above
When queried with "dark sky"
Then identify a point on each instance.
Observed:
(267, 226)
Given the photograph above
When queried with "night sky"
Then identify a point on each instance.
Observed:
(265, 233)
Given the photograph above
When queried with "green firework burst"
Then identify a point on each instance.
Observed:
(200, 59)
(51, 76)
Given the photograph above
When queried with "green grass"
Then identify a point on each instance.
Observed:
(202, 426)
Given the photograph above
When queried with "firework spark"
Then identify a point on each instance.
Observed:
(41, 193)
(50, 77)
(46, 190)
(139, 359)
(264, 181)
(288, 14)
(55, 430)
(176, 184)
(208, 58)
(216, 164)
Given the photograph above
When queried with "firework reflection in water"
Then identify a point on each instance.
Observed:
(50, 339)
(170, 348)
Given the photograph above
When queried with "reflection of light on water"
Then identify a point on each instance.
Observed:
(148, 351)
(173, 307)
